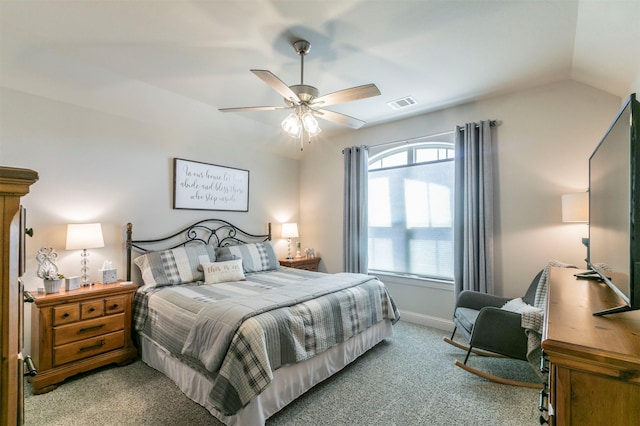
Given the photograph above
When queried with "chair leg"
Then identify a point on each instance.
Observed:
(466, 358)
(475, 351)
(498, 379)
(454, 332)
(491, 377)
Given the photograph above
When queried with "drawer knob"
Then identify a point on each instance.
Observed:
(65, 315)
(114, 306)
(92, 309)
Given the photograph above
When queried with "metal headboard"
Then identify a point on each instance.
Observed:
(215, 232)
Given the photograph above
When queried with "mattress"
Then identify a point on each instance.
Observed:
(289, 382)
(237, 338)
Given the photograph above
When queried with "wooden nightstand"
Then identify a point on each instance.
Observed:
(79, 330)
(309, 264)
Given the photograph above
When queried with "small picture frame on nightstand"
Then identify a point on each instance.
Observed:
(71, 283)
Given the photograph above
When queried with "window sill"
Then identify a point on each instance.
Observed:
(414, 280)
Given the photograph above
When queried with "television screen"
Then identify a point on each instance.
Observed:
(609, 201)
(614, 243)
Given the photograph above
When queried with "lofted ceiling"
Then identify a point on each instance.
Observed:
(180, 61)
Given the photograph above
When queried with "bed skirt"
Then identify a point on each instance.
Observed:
(288, 383)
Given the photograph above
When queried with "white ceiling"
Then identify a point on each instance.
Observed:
(179, 61)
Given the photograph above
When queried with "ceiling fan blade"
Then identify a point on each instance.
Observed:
(256, 108)
(339, 118)
(347, 95)
(277, 85)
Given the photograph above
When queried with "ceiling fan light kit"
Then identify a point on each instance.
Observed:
(291, 125)
(306, 102)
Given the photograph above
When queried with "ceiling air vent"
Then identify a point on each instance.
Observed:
(402, 103)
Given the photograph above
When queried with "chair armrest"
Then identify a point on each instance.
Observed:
(500, 331)
(476, 300)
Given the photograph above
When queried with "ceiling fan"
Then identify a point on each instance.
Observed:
(305, 101)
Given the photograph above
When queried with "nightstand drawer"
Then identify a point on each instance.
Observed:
(85, 329)
(308, 267)
(64, 314)
(87, 348)
(114, 305)
(91, 309)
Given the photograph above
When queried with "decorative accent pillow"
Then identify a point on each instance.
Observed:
(222, 258)
(255, 257)
(518, 306)
(222, 272)
(175, 266)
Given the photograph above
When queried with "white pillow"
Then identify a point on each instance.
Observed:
(222, 272)
(519, 306)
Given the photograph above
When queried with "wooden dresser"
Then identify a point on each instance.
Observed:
(79, 330)
(14, 184)
(594, 361)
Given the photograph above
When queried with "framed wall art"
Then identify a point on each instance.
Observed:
(203, 186)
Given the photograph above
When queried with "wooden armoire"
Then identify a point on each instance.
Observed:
(14, 184)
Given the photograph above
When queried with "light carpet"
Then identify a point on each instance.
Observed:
(409, 379)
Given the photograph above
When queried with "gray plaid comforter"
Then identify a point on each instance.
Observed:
(325, 310)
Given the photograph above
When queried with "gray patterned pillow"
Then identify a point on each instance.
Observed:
(255, 257)
(175, 266)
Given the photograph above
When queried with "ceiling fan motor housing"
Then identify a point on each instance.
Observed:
(305, 93)
(302, 47)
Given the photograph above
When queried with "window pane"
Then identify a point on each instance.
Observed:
(427, 204)
(399, 159)
(416, 207)
(379, 207)
(411, 216)
(432, 258)
(381, 253)
(426, 154)
(440, 205)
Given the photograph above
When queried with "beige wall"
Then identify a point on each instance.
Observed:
(543, 143)
(96, 167)
(99, 167)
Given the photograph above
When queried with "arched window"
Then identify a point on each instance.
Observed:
(411, 210)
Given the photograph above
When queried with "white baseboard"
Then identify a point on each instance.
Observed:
(427, 320)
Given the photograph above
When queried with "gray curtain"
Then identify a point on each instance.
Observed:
(473, 216)
(355, 209)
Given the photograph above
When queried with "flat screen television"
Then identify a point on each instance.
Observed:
(614, 208)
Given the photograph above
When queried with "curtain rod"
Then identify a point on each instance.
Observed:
(491, 123)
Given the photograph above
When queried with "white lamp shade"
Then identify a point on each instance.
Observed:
(82, 236)
(289, 230)
(292, 125)
(310, 124)
(575, 207)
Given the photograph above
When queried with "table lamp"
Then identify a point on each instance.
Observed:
(83, 236)
(575, 208)
(289, 230)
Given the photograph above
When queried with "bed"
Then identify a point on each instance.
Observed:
(238, 333)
